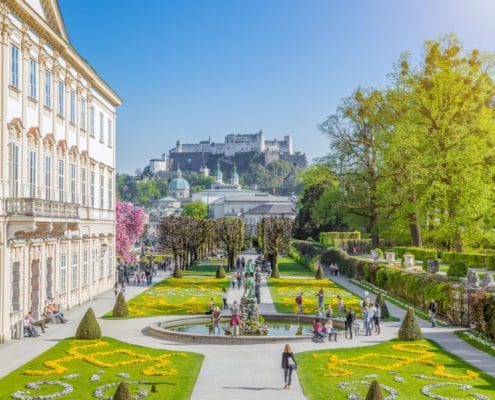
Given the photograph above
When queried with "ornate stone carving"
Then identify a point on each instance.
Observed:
(472, 280)
(488, 283)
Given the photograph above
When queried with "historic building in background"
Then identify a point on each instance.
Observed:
(57, 167)
(194, 156)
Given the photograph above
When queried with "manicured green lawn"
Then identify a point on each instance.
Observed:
(406, 367)
(188, 295)
(464, 336)
(202, 270)
(173, 373)
(290, 267)
(285, 290)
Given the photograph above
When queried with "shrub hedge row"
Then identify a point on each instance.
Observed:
(472, 260)
(327, 238)
(419, 253)
(362, 245)
(417, 289)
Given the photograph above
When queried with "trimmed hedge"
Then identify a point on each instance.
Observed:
(419, 253)
(472, 260)
(415, 288)
(306, 253)
(362, 245)
(327, 238)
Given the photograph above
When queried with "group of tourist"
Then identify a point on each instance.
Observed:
(51, 313)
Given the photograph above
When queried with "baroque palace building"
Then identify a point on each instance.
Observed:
(57, 167)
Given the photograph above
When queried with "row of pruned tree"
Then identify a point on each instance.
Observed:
(191, 239)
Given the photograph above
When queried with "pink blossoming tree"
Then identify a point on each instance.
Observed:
(130, 227)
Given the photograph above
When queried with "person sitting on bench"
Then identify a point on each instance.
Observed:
(53, 311)
(40, 323)
(328, 329)
(29, 327)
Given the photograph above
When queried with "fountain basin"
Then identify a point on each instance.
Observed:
(194, 329)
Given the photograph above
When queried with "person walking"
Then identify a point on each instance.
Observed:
(321, 303)
(349, 320)
(215, 320)
(299, 302)
(224, 298)
(288, 365)
(234, 279)
(235, 321)
(367, 320)
(432, 311)
(377, 317)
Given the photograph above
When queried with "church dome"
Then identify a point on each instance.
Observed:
(178, 183)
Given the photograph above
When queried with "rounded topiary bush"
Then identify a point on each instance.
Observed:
(153, 388)
(410, 329)
(380, 301)
(319, 272)
(178, 273)
(120, 308)
(220, 272)
(374, 392)
(88, 327)
(122, 392)
(458, 269)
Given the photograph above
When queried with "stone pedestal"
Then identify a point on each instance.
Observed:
(250, 317)
(408, 260)
(374, 255)
(390, 257)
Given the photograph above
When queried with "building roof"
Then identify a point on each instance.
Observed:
(244, 195)
(167, 199)
(178, 184)
(273, 209)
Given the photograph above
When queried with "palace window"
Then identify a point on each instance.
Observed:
(61, 98)
(102, 191)
(14, 66)
(33, 79)
(63, 273)
(72, 113)
(48, 88)
(83, 114)
(73, 183)
(92, 121)
(93, 183)
(75, 272)
(61, 178)
(49, 278)
(110, 193)
(102, 264)
(48, 177)
(32, 173)
(83, 187)
(85, 276)
(15, 170)
(110, 261)
(16, 289)
(110, 133)
(94, 257)
(102, 135)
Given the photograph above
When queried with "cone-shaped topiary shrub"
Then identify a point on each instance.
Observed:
(319, 272)
(374, 392)
(120, 308)
(410, 329)
(385, 314)
(220, 272)
(122, 392)
(88, 327)
(275, 272)
(153, 389)
(178, 273)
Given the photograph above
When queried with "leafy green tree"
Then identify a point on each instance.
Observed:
(277, 233)
(146, 192)
(231, 233)
(196, 209)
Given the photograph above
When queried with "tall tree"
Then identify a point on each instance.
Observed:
(277, 232)
(130, 226)
(196, 209)
(231, 233)
(355, 134)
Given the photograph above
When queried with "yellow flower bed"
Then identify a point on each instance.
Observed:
(285, 290)
(188, 295)
(97, 358)
(422, 355)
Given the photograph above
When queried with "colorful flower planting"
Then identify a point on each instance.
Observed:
(285, 290)
(347, 373)
(82, 369)
(188, 295)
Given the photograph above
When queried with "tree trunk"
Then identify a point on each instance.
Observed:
(415, 230)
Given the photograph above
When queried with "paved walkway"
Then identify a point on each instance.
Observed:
(230, 372)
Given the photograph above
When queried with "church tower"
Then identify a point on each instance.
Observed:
(218, 175)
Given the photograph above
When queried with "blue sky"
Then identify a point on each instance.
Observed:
(193, 69)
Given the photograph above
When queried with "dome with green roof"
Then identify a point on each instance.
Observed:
(179, 187)
(218, 174)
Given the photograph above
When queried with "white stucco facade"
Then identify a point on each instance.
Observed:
(57, 167)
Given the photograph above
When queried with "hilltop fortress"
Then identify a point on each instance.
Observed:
(197, 156)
